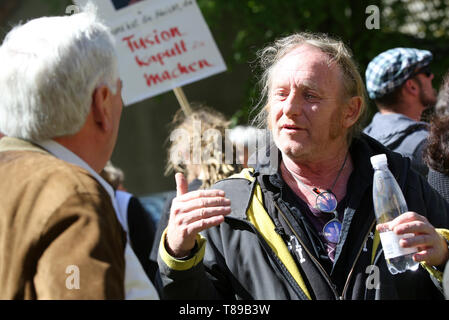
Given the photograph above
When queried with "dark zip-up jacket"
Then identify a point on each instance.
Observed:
(247, 256)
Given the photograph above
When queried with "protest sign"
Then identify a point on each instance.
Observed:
(162, 45)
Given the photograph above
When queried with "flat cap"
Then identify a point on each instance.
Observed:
(392, 68)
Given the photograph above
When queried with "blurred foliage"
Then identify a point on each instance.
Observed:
(241, 27)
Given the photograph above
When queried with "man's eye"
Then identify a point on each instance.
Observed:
(282, 94)
(310, 96)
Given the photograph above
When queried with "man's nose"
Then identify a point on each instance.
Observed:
(293, 104)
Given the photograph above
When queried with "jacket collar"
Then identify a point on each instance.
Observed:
(15, 144)
(361, 150)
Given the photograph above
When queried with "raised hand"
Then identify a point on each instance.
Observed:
(191, 213)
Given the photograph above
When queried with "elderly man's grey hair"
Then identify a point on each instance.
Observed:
(49, 69)
(338, 53)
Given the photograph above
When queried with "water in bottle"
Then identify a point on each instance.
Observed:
(389, 203)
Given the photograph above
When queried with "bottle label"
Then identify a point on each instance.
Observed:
(390, 244)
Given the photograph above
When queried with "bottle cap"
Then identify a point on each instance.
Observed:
(379, 161)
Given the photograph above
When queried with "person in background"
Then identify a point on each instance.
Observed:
(308, 230)
(436, 154)
(60, 111)
(399, 81)
(140, 270)
(442, 104)
(203, 130)
(245, 139)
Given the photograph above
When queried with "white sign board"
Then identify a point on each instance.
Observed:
(162, 45)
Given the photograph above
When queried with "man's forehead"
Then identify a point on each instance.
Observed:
(308, 55)
(307, 61)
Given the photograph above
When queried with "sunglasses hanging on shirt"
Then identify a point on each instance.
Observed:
(326, 202)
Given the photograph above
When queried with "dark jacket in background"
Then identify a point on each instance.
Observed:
(440, 182)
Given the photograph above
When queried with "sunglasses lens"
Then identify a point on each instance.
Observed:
(426, 70)
(326, 202)
(331, 231)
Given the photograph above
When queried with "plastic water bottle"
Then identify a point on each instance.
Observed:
(389, 203)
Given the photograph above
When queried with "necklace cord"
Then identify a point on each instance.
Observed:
(333, 184)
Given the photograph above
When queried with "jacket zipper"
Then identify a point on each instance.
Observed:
(345, 288)
(278, 262)
(324, 273)
(317, 263)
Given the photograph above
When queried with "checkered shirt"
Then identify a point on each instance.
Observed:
(392, 68)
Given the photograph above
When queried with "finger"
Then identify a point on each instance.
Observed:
(414, 227)
(203, 213)
(203, 203)
(419, 241)
(204, 224)
(382, 227)
(406, 217)
(181, 184)
(200, 194)
(424, 255)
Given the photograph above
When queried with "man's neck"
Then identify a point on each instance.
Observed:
(412, 111)
(83, 150)
(331, 173)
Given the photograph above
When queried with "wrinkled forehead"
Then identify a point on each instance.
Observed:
(305, 65)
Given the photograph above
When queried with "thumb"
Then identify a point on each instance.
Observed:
(181, 184)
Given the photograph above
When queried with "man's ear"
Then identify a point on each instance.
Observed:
(101, 107)
(352, 111)
(411, 87)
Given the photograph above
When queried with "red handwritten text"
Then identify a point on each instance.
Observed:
(180, 70)
(152, 39)
(178, 49)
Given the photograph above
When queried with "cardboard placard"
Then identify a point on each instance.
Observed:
(162, 45)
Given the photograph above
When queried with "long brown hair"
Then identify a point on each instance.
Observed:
(211, 169)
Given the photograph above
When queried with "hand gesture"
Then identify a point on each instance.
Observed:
(191, 213)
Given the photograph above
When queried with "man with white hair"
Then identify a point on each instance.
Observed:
(60, 111)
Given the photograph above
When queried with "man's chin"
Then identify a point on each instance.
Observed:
(429, 103)
(293, 151)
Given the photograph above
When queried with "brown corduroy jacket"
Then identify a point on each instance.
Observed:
(59, 235)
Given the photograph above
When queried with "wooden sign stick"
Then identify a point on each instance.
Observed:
(182, 99)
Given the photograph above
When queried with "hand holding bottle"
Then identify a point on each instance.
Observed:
(432, 248)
